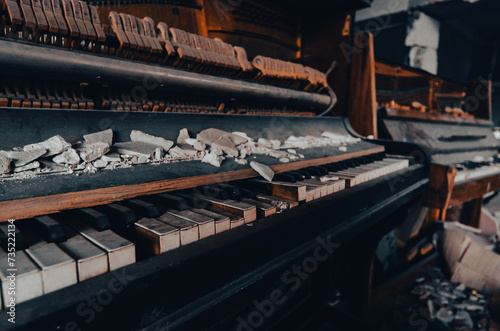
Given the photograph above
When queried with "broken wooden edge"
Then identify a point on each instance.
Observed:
(31, 207)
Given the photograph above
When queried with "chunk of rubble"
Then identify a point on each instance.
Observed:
(105, 136)
(158, 154)
(92, 151)
(241, 161)
(242, 135)
(209, 136)
(198, 145)
(284, 160)
(275, 143)
(49, 166)
(140, 136)
(21, 158)
(183, 135)
(187, 152)
(112, 157)
(213, 159)
(54, 145)
(291, 151)
(100, 163)
(225, 144)
(29, 166)
(263, 170)
(135, 148)
(343, 148)
(278, 154)
(265, 142)
(67, 157)
(4, 164)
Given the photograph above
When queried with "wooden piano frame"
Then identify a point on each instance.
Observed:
(442, 192)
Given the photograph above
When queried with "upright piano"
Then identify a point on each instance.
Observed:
(154, 238)
(451, 119)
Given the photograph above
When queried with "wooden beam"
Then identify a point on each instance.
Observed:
(31, 207)
(362, 93)
(441, 180)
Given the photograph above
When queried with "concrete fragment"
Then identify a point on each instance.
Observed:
(149, 139)
(92, 151)
(208, 136)
(276, 143)
(263, 170)
(198, 145)
(137, 148)
(20, 158)
(29, 166)
(183, 135)
(54, 145)
(301, 156)
(241, 161)
(226, 144)
(100, 163)
(49, 166)
(158, 154)
(105, 136)
(213, 159)
(242, 135)
(265, 142)
(278, 154)
(67, 157)
(291, 151)
(112, 157)
(143, 159)
(183, 153)
(343, 148)
(4, 164)
(216, 150)
(284, 160)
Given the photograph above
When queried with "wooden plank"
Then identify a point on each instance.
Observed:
(31, 207)
(363, 98)
(470, 190)
(441, 180)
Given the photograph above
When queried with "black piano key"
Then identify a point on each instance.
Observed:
(296, 175)
(313, 171)
(213, 191)
(17, 241)
(285, 178)
(141, 207)
(248, 193)
(48, 228)
(118, 215)
(303, 173)
(192, 200)
(333, 167)
(255, 186)
(168, 200)
(91, 216)
(233, 191)
(322, 169)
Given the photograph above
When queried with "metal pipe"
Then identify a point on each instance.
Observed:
(32, 60)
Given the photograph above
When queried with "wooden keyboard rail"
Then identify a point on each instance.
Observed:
(30, 207)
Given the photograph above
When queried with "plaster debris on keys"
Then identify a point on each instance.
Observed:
(211, 146)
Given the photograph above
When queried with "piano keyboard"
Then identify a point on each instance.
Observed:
(80, 244)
